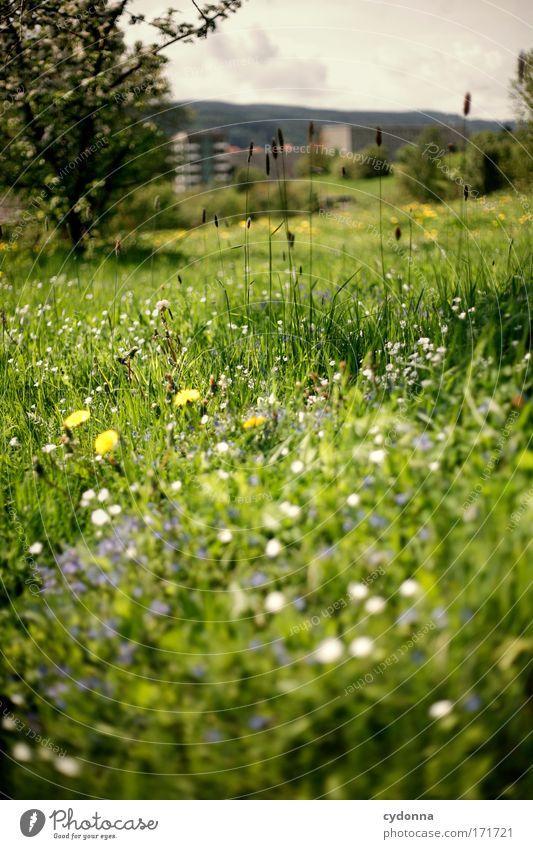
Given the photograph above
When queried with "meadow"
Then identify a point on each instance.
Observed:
(282, 550)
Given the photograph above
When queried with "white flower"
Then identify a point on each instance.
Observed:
(375, 604)
(377, 456)
(273, 548)
(67, 766)
(225, 535)
(329, 650)
(297, 467)
(115, 509)
(163, 305)
(35, 548)
(99, 517)
(222, 447)
(175, 486)
(409, 588)
(22, 752)
(13, 442)
(103, 495)
(204, 419)
(434, 466)
(87, 496)
(49, 447)
(357, 591)
(88, 401)
(361, 647)
(353, 500)
(290, 510)
(274, 602)
(439, 710)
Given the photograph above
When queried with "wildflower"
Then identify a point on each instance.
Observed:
(103, 495)
(377, 456)
(49, 447)
(409, 588)
(67, 766)
(254, 421)
(115, 509)
(273, 548)
(290, 510)
(361, 647)
(13, 442)
(439, 710)
(99, 517)
(35, 548)
(353, 500)
(274, 602)
(186, 396)
(162, 305)
(175, 486)
(22, 752)
(375, 605)
(297, 467)
(225, 535)
(329, 650)
(222, 447)
(106, 441)
(357, 591)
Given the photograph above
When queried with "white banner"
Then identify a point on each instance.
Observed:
(267, 824)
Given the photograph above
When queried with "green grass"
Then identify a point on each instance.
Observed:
(150, 649)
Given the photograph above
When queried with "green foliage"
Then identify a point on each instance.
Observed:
(319, 161)
(244, 178)
(75, 134)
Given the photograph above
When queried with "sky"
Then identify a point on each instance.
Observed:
(364, 54)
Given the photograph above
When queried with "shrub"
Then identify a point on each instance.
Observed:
(420, 167)
(365, 164)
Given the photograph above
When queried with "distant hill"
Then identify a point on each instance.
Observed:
(258, 121)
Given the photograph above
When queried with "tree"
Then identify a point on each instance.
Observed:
(522, 86)
(74, 131)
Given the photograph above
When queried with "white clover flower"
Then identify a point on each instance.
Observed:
(67, 766)
(377, 456)
(329, 650)
(290, 510)
(115, 509)
(13, 442)
(273, 548)
(222, 447)
(361, 647)
(353, 500)
(357, 591)
(274, 602)
(409, 588)
(87, 496)
(103, 495)
(375, 604)
(439, 710)
(22, 752)
(35, 548)
(297, 467)
(49, 447)
(225, 535)
(175, 486)
(100, 517)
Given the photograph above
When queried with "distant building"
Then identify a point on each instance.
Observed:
(348, 139)
(202, 158)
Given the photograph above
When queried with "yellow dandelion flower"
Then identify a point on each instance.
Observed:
(254, 421)
(186, 396)
(76, 419)
(106, 441)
